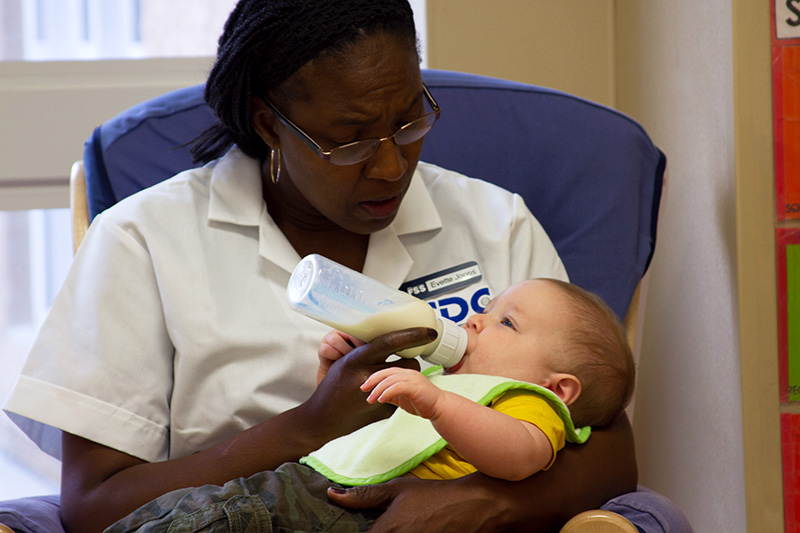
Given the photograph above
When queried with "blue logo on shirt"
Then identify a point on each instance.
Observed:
(458, 308)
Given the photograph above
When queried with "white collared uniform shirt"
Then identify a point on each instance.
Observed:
(172, 331)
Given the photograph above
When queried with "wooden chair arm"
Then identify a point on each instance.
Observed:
(79, 206)
(599, 521)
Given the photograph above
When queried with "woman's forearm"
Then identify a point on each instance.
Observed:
(101, 485)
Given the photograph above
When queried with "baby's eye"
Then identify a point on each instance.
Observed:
(507, 322)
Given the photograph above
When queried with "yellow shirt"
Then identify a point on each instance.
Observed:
(520, 404)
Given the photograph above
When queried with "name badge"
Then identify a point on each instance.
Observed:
(448, 280)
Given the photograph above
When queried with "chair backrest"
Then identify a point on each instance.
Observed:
(589, 174)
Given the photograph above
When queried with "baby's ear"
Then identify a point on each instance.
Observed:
(566, 386)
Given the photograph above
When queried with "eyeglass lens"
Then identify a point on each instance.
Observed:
(360, 150)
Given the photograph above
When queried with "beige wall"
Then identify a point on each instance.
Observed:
(670, 66)
(675, 75)
(527, 40)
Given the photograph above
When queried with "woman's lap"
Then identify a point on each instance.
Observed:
(292, 498)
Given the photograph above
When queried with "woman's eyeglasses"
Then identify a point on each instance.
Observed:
(358, 151)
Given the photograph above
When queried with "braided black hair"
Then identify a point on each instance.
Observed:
(264, 42)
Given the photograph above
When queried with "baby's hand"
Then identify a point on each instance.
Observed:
(334, 345)
(408, 389)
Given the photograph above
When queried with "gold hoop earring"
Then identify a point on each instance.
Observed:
(274, 174)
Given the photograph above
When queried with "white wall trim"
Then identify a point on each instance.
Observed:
(50, 108)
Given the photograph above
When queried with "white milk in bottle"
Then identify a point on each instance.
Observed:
(366, 308)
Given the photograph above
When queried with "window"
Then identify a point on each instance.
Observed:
(47, 30)
(35, 252)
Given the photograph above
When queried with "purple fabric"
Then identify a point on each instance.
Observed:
(32, 515)
(650, 512)
(589, 174)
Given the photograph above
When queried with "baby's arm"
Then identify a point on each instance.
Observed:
(495, 443)
(334, 345)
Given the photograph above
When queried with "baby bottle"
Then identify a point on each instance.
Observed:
(365, 308)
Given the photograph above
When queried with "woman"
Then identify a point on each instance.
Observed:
(185, 367)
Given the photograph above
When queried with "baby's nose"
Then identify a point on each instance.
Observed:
(475, 322)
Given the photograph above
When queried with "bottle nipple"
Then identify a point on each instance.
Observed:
(448, 350)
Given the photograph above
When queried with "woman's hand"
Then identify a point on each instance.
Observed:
(338, 405)
(465, 505)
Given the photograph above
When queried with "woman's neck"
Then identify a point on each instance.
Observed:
(311, 233)
(344, 247)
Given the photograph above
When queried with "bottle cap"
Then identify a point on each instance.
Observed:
(302, 280)
(450, 346)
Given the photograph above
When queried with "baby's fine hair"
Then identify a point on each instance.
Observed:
(266, 41)
(598, 354)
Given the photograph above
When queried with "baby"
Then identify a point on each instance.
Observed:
(546, 332)
(544, 357)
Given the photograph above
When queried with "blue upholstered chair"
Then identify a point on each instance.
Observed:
(589, 174)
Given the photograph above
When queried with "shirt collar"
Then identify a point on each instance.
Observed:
(417, 213)
(388, 259)
(235, 197)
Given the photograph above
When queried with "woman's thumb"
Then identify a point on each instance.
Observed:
(362, 497)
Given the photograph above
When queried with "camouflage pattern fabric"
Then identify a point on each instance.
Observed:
(292, 498)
